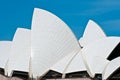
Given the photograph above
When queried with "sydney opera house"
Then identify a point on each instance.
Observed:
(51, 51)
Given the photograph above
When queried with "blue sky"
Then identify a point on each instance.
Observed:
(75, 13)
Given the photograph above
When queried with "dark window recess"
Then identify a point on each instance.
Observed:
(52, 75)
(115, 53)
(115, 75)
(98, 77)
(81, 74)
(21, 74)
(2, 71)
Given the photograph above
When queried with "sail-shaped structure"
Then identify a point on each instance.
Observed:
(5, 49)
(51, 40)
(111, 68)
(20, 51)
(92, 33)
(95, 54)
(68, 64)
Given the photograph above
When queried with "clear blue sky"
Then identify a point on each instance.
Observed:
(75, 13)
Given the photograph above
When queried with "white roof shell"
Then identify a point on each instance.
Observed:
(68, 64)
(95, 65)
(5, 47)
(51, 41)
(92, 33)
(95, 54)
(63, 63)
(20, 51)
(77, 64)
(102, 47)
(111, 67)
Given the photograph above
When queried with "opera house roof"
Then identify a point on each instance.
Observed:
(51, 48)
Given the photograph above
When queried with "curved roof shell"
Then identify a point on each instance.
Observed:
(111, 67)
(102, 47)
(95, 65)
(77, 64)
(20, 51)
(5, 48)
(68, 64)
(51, 40)
(92, 33)
(95, 54)
(63, 63)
